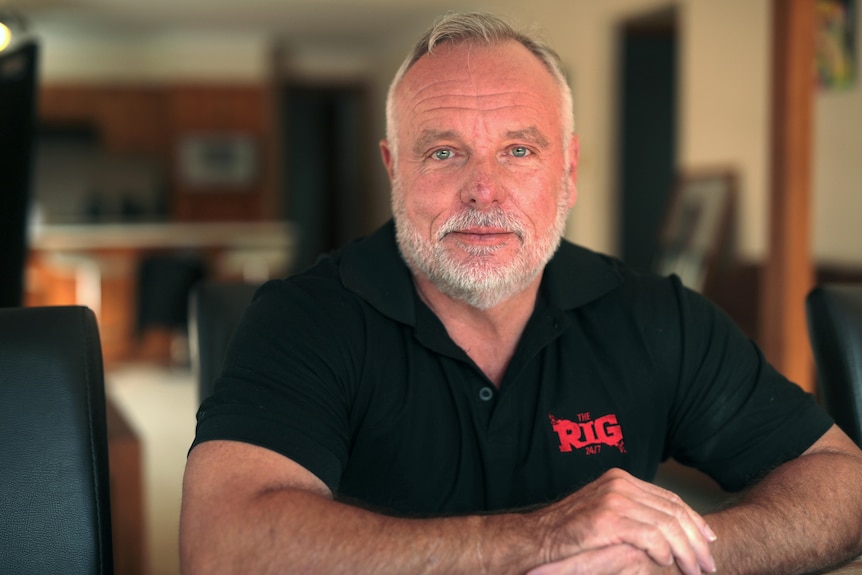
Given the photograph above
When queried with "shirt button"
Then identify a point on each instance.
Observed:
(486, 393)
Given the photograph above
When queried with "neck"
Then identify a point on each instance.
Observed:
(488, 336)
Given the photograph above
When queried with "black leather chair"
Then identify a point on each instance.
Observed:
(835, 330)
(55, 514)
(215, 309)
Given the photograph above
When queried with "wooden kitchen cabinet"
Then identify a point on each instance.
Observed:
(154, 121)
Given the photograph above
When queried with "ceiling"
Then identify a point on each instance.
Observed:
(336, 21)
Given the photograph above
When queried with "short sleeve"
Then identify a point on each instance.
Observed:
(734, 416)
(287, 379)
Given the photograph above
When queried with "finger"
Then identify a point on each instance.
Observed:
(675, 499)
(694, 529)
(667, 528)
(671, 522)
(611, 560)
(664, 526)
(645, 536)
(662, 538)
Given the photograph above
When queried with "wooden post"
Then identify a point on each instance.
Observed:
(788, 272)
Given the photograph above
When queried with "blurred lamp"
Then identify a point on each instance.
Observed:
(5, 36)
(13, 29)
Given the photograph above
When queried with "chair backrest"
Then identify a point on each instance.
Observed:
(835, 329)
(55, 514)
(215, 309)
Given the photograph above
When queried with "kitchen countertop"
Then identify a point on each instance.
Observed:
(174, 235)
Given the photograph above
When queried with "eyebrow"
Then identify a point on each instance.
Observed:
(531, 134)
(429, 137)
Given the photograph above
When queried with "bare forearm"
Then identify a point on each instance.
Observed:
(801, 518)
(248, 509)
(299, 531)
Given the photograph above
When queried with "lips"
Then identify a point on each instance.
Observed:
(482, 231)
(482, 226)
(481, 234)
(486, 240)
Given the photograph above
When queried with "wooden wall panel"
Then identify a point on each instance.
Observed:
(153, 120)
(242, 110)
(61, 104)
(219, 108)
(134, 120)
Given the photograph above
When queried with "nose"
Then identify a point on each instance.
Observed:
(484, 185)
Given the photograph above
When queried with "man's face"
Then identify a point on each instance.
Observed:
(482, 178)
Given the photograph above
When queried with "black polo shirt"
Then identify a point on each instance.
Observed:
(343, 369)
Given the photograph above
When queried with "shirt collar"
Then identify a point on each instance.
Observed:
(374, 269)
(576, 276)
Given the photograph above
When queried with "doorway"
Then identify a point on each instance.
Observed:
(648, 126)
(324, 179)
(18, 95)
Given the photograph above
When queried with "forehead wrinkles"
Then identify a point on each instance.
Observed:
(432, 79)
(476, 79)
(454, 123)
(424, 106)
(431, 98)
(461, 80)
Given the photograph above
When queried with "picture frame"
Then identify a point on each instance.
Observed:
(697, 225)
(218, 161)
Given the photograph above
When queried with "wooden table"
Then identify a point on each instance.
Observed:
(853, 568)
(127, 500)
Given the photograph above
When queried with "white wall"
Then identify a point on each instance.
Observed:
(153, 58)
(725, 71)
(837, 233)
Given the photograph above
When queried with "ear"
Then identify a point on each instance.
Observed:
(572, 167)
(388, 159)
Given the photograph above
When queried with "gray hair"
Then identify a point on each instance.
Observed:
(484, 29)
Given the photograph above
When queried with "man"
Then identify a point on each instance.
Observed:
(460, 393)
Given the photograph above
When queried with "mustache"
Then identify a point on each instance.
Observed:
(473, 218)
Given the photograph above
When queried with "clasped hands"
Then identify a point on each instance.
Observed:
(619, 524)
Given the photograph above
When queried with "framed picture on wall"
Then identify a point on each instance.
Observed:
(219, 161)
(835, 51)
(696, 226)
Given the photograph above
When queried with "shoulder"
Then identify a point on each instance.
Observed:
(579, 278)
(659, 312)
(305, 308)
(335, 304)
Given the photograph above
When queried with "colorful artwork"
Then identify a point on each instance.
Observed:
(835, 56)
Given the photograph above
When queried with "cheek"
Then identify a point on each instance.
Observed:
(428, 198)
(538, 197)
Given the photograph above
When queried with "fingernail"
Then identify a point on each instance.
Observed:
(710, 534)
(710, 565)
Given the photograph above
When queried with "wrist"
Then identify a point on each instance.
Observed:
(510, 543)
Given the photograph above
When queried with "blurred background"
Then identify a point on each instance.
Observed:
(232, 140)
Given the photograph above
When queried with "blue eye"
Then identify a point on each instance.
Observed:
(442, 154)
(520, 151)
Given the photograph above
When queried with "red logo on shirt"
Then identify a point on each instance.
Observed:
(587, 433)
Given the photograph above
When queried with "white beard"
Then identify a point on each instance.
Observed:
(480, 281)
